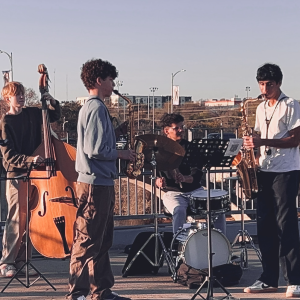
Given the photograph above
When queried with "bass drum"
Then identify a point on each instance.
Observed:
(191, 244)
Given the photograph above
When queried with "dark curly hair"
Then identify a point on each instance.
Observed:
(168, 119)
(269, 72)
(95, 68)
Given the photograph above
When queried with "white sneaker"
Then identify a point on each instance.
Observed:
(292, 291)
(81, 298)
(8, 270)
(260, 287)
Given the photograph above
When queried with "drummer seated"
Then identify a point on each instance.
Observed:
(181, 180)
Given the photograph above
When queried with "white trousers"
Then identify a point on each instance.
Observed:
(15, 226)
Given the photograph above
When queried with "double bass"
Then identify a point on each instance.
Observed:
(51, 226)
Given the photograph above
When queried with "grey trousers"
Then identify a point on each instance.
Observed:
(90, 269)
(13, 241)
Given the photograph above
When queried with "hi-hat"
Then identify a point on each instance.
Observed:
(168, 153)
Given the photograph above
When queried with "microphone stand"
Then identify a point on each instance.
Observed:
(210, 153)
(210, 279)
(158, 258)
(242, 237)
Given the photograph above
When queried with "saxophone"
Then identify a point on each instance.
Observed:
(245, 160)
(133, 169)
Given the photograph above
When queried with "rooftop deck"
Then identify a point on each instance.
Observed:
(156, 287)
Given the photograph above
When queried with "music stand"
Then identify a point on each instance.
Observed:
(209, 153)
(26, 178)
(158, 258)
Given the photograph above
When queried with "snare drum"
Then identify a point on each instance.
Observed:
(219, 201)
(193, 250)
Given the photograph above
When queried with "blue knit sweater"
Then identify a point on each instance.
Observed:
(96, 145)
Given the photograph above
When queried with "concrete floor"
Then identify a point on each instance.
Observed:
(155, 287)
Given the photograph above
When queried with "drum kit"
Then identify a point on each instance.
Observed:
(190, 242)
(197, 246)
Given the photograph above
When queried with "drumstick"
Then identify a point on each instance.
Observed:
(176, 172)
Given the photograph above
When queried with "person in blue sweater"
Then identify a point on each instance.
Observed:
(90, 269)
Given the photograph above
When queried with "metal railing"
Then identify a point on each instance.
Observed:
(134, 207)
(133, 196)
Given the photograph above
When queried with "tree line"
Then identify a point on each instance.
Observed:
(196, 117)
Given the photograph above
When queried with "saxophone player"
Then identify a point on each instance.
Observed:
(278, 122)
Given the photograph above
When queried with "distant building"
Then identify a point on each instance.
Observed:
(81, 100)
(158, 100)
(223, 102)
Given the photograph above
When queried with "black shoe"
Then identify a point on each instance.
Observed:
(115, 296)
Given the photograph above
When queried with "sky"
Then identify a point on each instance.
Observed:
(220, 44)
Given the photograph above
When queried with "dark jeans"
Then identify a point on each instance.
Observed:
(277, 226)
(90, 268)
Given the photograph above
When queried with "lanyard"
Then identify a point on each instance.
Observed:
(267, 148)
(266, 119)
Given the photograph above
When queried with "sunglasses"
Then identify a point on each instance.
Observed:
(178, 127)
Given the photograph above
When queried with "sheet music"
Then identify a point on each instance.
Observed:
(234, 147)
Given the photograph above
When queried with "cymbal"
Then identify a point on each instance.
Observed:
(168, 153)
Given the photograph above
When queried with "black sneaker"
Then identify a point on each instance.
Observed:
(115, 296)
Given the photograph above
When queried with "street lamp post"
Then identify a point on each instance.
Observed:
(148, 102)
(173, 75)
(247, 90)
(11, 64)
(152, 90)
(138, 103)
(118, 84)
(247, 112)
(64, 123)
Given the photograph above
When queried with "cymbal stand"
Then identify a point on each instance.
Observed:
(158, 258)
(210, 279)
(243, 237)
(27, 262)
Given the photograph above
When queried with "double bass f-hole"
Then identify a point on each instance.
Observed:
(73, 195)
(42, 212)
